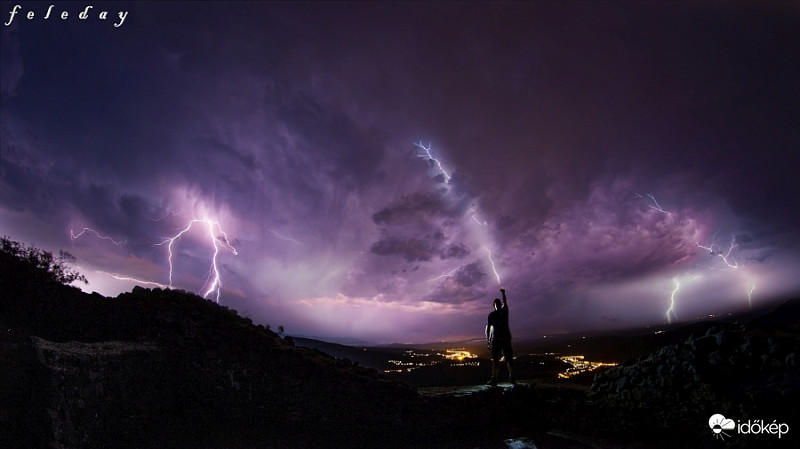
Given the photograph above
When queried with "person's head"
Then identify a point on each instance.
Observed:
(497, 304)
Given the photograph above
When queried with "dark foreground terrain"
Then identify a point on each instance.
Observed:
(168, 369)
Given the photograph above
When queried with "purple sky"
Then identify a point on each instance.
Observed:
(590, 147)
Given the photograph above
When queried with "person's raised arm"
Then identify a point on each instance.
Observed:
(503, 291)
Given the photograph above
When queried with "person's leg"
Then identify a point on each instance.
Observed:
(509, 354)
(497, 351)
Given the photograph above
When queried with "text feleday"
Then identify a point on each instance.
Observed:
(64, 15)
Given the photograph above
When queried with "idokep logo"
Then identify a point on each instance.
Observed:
(719, 424)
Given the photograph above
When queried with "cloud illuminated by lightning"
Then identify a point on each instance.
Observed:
(728, 262)
(214, 280)
(427, 155)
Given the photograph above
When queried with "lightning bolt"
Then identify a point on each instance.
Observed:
(491, 262)
(486, 248)
(167, 214)
(657, 207)
(750, 296)
(214, 280)
(671, 309)
(123, 277)
(726, 255)
(283, 237)
(74, 236)
(445, 275)
(430, 157)
(676, 282)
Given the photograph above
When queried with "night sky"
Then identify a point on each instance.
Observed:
(590, 150)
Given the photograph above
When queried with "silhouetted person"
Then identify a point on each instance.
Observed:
(498, 336)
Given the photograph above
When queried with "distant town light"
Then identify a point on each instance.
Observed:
(459, 354)
(579, 365)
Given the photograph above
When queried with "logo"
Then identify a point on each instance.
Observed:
(719, 424)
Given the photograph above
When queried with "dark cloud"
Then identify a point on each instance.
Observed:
(411, 249)
(458, 251)
(414, 206)
(461, 286)
(469, 275)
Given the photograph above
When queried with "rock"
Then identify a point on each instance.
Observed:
(752, 345)
(715, 358)
(770, 361)
(686, 353)
(704, 344)
(775, 346)
(722, 338)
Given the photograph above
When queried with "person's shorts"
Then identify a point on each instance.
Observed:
(500, 349)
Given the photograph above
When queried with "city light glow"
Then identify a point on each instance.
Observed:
(459, 354)
(580, 365)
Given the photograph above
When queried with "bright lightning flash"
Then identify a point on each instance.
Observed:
(491, 262)
(214, 281)
(122, 277)
(676, 281)
(430, 157)
(671, 310)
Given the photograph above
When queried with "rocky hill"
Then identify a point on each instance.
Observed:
(746, 372)
(166, 368)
